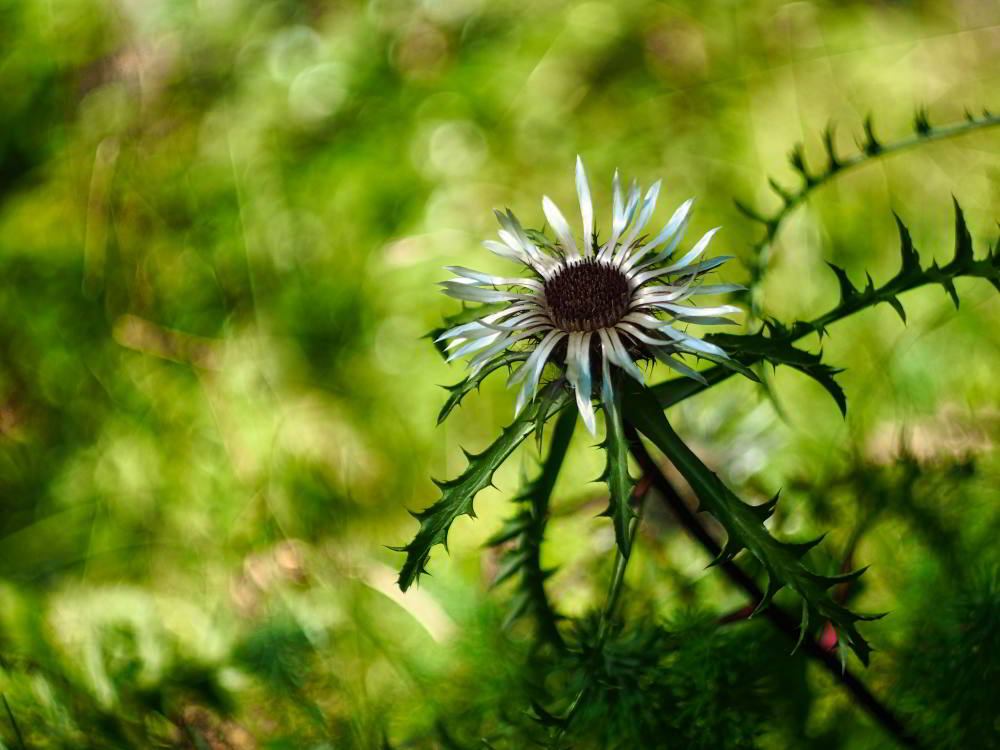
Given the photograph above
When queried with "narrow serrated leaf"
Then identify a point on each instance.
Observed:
(616, 475)
(963, 239)
(530, 524)
(898, 307)
(457, 496)
(910, 258)
(781, 560)
(778, 350)
(871, 144)
(750, 212)
(830, 145)
(460, 390)
(847, 290)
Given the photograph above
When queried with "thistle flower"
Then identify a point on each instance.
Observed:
(590, 306)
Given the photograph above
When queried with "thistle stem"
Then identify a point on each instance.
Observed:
(621, 563)
(778, 617)
(611, 602)
(761, 250)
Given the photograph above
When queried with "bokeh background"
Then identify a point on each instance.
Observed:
(221, 224)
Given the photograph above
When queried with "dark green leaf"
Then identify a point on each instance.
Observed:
(527, 530)
(847, 290)
(457, 496)
(778, 350)
(963, 239)
(744, 524)
(777, 346)
(616, 475)
(459, 390)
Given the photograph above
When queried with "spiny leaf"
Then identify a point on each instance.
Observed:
(549, 398)
(750, 212)
(749, 349)
(910, 257)
(457, 496)
(460, 390)
(782, 561)
(797, 158)
(785, 194)
(921, 122)
(963, 239)
(898, 307)
(847, 290)
(830, 146)
(778, 350)
(870, 148)
(871, 145)
(527, 529)
(616, 475)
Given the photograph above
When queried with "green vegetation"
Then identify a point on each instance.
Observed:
(221, 225)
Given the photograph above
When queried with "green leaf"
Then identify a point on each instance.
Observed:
(910, 258)
(527, 530)
(847, 290)
(616, 474)
(551, 400)
(964, 257)
(777, 347)
(457, 496)
(797, 158)
(744, 525)
(870, 149)
(871, 144)
(460, 390)
(778, 350)
(750, 212)
(830, 146)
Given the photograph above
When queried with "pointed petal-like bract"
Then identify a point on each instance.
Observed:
(561, 227)
(586, 208)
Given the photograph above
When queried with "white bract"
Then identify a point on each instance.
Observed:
(591, 306)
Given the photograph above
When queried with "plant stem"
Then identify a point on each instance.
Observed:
(761, 250)
(610, 603)
(778, 617)
(621, 563)
(533, 575)
(674, 390)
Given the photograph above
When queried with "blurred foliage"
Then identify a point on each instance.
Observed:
(220, 227)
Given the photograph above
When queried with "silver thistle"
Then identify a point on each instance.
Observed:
(591, 305)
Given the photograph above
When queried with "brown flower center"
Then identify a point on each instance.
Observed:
(587, 295)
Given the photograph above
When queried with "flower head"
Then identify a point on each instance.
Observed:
(592, 306)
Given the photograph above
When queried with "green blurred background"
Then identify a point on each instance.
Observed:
(221, 222)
